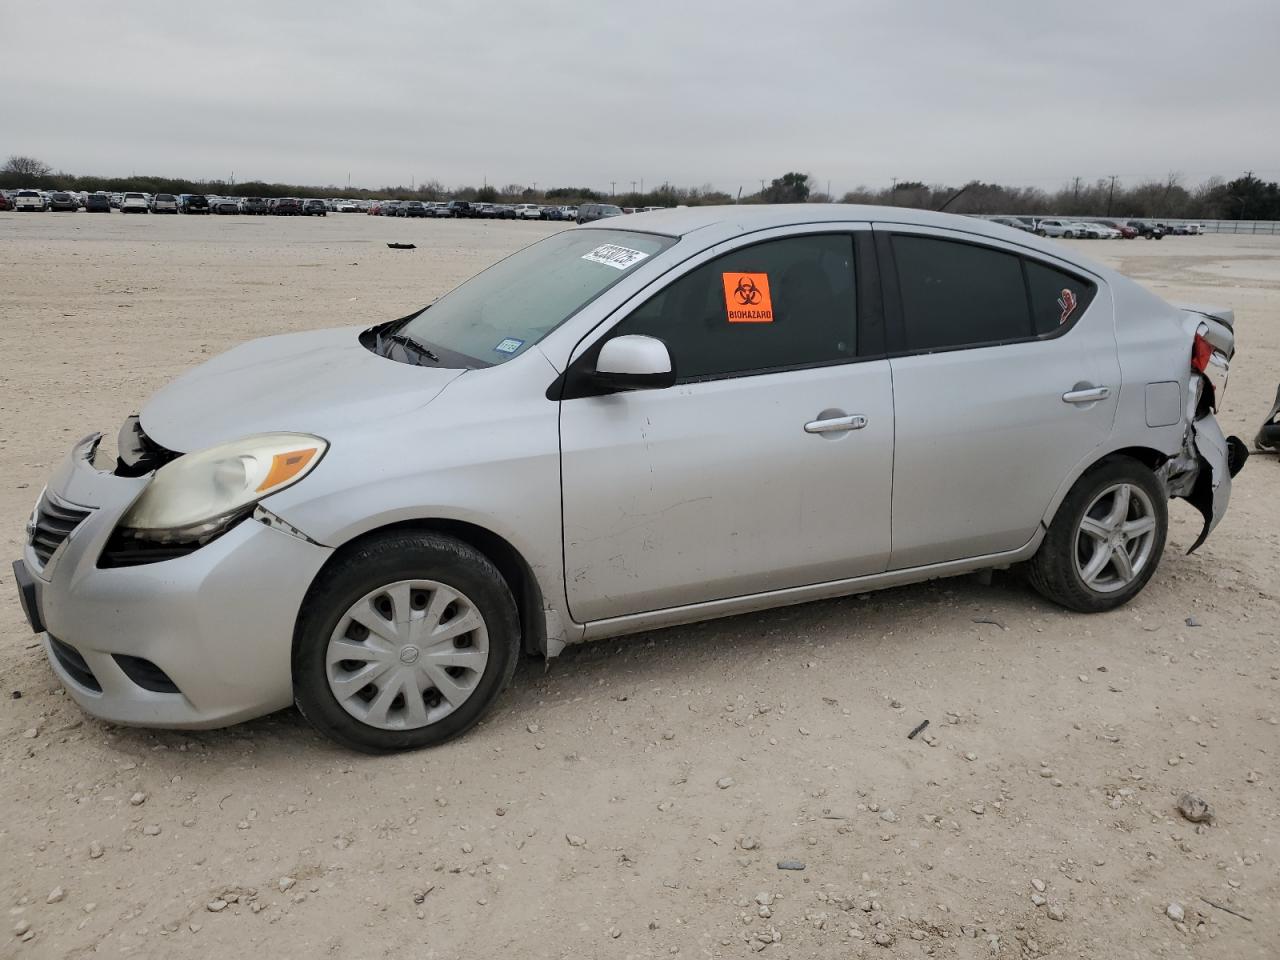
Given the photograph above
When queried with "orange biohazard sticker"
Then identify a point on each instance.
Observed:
(746, 297)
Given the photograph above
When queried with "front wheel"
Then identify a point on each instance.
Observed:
(1106, 539)
(404, 642)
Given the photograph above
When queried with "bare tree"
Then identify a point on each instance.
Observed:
(26, 167)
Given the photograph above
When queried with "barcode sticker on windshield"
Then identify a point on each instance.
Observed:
(612, 255)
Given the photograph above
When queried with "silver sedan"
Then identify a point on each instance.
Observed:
(704, 412)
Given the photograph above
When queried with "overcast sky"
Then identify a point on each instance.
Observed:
(562, 92)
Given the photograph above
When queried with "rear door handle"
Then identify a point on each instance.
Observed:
(1087, 395)
(836, 424)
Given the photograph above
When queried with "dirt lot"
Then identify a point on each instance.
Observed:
(585, 817)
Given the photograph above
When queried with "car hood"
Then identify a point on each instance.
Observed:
(321, 382)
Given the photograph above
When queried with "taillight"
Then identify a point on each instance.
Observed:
(1201, 351)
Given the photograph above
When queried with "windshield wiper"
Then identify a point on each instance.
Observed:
(410, 344)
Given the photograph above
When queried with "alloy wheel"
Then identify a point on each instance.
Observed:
(1115, 538)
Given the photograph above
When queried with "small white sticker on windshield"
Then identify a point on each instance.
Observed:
(612, 255)
(509, 345)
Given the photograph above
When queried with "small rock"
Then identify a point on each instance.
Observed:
(749, 843)
(724, 783)
(151, 830)
(95, 850)
(1195, 809)
(979, 808)
(575, 840)
(1175, 912)
(790, 865)
(286, 883)
(888, 816)
(56, 895)
(216, 906)
(971, 757)
(467, 847)
(614, 933)
(138, 799)
(31, 733)
(1056, 912)
(917, 934)
(501, 812)
(882, 939)
(1037, 900)
(533, 728)
(1192, 622)
(1038, 884)
(21, 927)
(194, 927)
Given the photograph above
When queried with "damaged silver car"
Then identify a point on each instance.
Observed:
(697, 413)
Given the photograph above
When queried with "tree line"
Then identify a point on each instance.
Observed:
(1245, 198)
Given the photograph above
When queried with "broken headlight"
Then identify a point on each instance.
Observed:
(198, 495)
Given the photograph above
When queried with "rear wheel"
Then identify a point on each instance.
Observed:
(1106, 539)
(404, 642)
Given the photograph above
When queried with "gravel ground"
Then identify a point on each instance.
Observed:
(635, 798)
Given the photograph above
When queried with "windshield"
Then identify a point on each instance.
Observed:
(499, 313)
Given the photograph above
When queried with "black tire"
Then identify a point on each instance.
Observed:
(383, 559)
(1053, 570)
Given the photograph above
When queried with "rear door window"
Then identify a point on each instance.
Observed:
(957, 294)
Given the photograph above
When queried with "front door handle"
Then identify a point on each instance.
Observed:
(836, 424)
(1087, 395)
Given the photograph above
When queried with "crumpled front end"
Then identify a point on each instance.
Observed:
(1201, 472)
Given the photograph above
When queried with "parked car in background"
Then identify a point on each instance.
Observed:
(63, 202)
(256, 206)
(249, 547)
(590, 212)
(164, 203)
(552, 213)
(1125, 231)
(193, 203)
(440, 209)
(1016, 222)
(1193, 229)
(459, 208)
(504, 211)
(314, 208)
(134, 203)
(97, 203)
(528, 211)
(5, 202)
(390, 208)
(1051, 227)
(348, 206)
(29, 201)
(286, 207)
(570, 213)
(224, 206)
(1096, 231)
(1147, 229)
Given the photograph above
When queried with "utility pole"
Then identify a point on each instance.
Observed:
(613, 188)
(642, 184)
(893, 194)
(1111, 194)
(633, 186)
(828, 189)
(535, 188)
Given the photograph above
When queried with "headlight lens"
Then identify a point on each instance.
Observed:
(200, 493)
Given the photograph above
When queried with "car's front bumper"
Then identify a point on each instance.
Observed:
(218, 623)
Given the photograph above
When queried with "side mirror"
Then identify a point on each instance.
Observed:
(634, 362)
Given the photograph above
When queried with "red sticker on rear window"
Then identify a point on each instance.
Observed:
(1067, 303)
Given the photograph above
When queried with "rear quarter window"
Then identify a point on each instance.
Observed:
(1057, 298)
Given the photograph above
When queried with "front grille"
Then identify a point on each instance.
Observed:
(54, 521)
(145, 674)
(72, 662)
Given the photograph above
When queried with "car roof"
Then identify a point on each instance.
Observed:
(731, 220)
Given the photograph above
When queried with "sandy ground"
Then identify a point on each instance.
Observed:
(584, 818)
